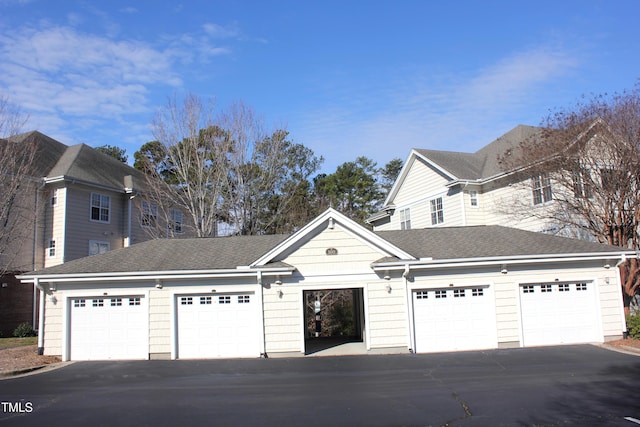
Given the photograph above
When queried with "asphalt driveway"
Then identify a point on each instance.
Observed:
(554, 386)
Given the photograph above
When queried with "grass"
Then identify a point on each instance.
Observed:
(17, 342)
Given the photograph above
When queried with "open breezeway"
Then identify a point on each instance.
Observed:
(568, 386)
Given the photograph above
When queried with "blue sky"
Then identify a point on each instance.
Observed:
(346, 78)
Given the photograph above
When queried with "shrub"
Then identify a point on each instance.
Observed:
(633, 326)
(24, 330)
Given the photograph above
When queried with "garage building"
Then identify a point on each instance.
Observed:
(428, 290)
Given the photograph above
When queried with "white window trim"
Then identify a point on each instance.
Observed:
(431, 211)
(99, 243)
(173, 213)
(150, 210)
(51, 248)
(538, 185)
(405, 219)
(100, 207)
(473, 196)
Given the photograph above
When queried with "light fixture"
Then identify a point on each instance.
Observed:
(158, 284)
(53, 299)
(52, 287)
(388, 288)
(213, 291)
(504, 269)
(607, 266)
(278, 282)
(280, 293)
(387, 277)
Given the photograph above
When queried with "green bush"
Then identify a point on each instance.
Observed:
(24, 330)
(633, 326)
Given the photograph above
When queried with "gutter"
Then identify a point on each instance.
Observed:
(403, 265)
(155, 275)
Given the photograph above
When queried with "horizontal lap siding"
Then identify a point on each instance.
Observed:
(282, 319)
(79, 227)
(387, 315)
(159, 322)
(53, 326)
(423, 183)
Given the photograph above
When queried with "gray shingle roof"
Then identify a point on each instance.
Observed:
(231, 252)
(54, 159)
(487, 241)
(174, 255)
(48, 151)
(483, 163)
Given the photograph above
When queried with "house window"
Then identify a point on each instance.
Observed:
(51, 248)
(243, 299)
(100, 206)
(473, 197)
(405, 219)
(437, 212)
(581, 184)
(176, 220)
(149, 214)
(54, 197)
(541, 189)
(98, 247)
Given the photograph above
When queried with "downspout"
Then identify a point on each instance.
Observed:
(409, 319)
(41, 318)
(263, 344)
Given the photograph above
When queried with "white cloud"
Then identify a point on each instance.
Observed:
(443, 110)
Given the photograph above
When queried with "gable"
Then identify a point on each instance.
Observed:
(333, 251)
(332, 228)
(421, 180)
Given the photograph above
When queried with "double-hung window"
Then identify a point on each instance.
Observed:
(100, 207)
(405, 219)
(51, 248)
(473, 198)
(437, 211)
(542, 193)
(149, 214)
(176, 220)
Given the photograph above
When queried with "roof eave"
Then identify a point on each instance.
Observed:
(157, 275)
(499, 260)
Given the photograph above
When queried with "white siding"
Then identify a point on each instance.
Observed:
(56, 229)
(387, 315)
(422, 184)
(159, 322)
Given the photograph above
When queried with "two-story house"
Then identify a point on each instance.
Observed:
(445, 188)
(76, 202)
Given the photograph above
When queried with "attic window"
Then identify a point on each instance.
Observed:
(405, 219)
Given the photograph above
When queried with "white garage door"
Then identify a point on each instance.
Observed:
(559, 313)
(105, 328)
(212, 326)
(454, 319)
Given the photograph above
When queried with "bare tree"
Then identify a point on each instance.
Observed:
(16, 211)
(224, 169)
(186, 167)
(591, 154)
(266, 174)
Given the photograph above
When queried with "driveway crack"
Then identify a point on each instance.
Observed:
(465, 409)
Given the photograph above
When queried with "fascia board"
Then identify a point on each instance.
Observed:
(155, 275)
(511, 260)
(72, 180)
(413, 155)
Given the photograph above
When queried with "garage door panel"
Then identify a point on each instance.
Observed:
(454, 319)
(558, 313)
(113, 328)
(217, 326)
